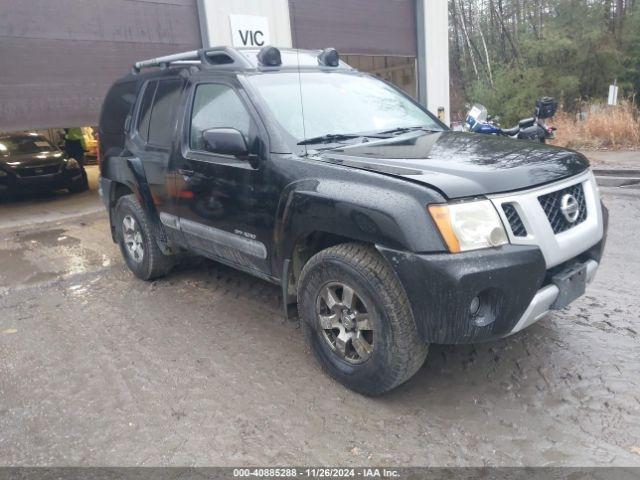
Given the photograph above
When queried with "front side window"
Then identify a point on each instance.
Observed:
(217, 106)
(311, 104)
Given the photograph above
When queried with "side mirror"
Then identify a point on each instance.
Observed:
(225, 141)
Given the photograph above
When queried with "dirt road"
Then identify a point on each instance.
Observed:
(98, 368)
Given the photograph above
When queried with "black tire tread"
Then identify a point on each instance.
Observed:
(408, 350)
(157, 264)
(81, 186)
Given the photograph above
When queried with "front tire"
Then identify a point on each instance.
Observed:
(80, 185)
(137, 242)
(357, 320)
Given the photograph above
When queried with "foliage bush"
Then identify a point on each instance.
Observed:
(605, 127)
(569, 49)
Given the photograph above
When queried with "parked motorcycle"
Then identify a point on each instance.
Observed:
(533, 129)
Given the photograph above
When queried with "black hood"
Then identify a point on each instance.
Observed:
(463, 164)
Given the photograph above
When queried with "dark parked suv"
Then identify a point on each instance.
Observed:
(30, 162)
(385, 230)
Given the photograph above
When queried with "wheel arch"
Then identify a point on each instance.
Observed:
(127, 176)
(315, 214)
(117, 190)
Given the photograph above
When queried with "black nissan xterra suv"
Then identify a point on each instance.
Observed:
(385, 230)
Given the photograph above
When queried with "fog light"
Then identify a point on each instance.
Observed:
(474, 306)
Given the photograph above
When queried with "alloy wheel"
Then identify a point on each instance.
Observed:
(345, 322)
(133, 240)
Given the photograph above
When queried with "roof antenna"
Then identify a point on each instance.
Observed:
(304, 130)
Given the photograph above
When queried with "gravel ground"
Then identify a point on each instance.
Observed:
(623, 160)
(98, 368)
(38, 207)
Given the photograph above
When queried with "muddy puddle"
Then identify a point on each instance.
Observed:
(29, 257)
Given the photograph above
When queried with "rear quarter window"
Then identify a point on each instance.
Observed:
(157, 111)
(163, 112)
(117, 106)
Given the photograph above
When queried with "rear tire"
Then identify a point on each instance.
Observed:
(368, 339)
(136, 238)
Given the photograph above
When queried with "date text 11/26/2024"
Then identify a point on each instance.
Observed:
(316, 472)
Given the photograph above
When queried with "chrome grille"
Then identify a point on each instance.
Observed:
(515, 222)
(551, 202)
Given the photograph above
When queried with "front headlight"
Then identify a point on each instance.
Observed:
(72, 164)
(469, 225)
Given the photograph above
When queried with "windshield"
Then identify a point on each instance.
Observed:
(477, 114)
(337, 103)
(24, 144)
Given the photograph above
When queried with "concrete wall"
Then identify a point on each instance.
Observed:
(216, 29)
(59, 57)
(433, 55)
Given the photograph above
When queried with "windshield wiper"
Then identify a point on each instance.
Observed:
(329, 137)
(334, 137)
(407, 129)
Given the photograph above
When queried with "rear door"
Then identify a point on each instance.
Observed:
(155, 140)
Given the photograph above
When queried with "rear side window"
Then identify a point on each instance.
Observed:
(117, 105)
(163, 114)
(158, 109)
(216, 106)
(145, 110)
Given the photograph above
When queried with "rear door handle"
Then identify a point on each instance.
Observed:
(186, 173)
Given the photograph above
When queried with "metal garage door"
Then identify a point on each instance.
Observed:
(58, 57)
(365, 27)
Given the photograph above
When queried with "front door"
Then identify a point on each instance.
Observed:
(222, 212)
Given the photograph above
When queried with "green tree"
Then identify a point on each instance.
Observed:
(507, 53)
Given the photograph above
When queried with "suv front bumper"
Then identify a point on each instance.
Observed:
(513, 283)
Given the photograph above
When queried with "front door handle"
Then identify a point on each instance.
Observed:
(186, 173)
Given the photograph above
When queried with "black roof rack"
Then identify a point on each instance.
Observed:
(215, 56)
(234, 59)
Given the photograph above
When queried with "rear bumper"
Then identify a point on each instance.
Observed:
(512, 282)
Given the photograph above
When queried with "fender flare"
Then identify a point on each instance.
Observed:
(129, 171)
(392, 214)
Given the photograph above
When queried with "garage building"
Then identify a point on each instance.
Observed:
(59, 57)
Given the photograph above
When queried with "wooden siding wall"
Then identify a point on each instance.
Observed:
(357, 27)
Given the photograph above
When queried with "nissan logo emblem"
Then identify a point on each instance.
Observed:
(569, 207)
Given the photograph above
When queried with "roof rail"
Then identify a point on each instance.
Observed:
(215, 57)
(166, 60)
